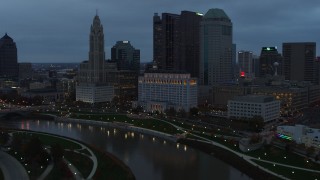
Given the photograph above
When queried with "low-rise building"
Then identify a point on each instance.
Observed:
(47, 95)
(254, 105)
(94, 93)
(300, 134)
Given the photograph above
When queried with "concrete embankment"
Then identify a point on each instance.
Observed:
(123, 126)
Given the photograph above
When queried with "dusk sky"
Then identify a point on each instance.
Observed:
(58, 30)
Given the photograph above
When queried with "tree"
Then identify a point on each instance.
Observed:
(182, 113)
(170, 112)
(137, 110)
(256, 123)
(309, 151)
(33, 147)
(194, 111)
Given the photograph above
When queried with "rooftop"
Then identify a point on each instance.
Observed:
(254, 98)
(216, 13)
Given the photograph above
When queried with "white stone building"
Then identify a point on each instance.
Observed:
(254, 105)
(158, 91)
(92, 93)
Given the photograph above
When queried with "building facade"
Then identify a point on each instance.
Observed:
(215, 48)
(252, 105)
(8, 57)
(126, 56)
(176, 41)
(92, 93)
(300, 62)
(159, 91)
(188, 43)
(25, 71)
(245, 61)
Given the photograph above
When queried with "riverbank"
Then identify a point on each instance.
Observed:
(102, 161)
(122, 126)
(229, 158)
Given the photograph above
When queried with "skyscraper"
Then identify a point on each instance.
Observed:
(92, 71)
(164, 35)
(176, 41)
(92, 86)
(8, 57)
(215, 48)
(299, 61)
(126, 56)
(268, 57)
(125, 79)
(188, 43)
(245, 61)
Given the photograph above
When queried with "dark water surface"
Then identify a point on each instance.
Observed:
(149, 158)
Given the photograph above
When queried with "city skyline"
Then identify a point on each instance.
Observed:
(43, 35)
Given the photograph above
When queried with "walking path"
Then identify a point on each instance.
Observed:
(12, 168)
(72, 168)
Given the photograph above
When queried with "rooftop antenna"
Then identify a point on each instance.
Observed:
(96, 12)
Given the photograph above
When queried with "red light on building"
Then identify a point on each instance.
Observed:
(242, 74)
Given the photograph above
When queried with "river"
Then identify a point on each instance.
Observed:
(149, 158)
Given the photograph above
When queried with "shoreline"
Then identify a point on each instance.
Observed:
(115, 160)
(224, 155)
(230, 158)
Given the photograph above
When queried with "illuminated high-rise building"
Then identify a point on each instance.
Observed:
(8, 57)
(215, 48)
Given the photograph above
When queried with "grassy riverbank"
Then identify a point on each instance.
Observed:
(230, 158)
(76, 152)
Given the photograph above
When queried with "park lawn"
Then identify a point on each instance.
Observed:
(83, 163)
(281, 156)
(144, 123)
(60, 171)
(287, 172)
(1, 175)
(49, 140)
(111, 168)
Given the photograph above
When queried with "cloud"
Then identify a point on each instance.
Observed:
(58, 31)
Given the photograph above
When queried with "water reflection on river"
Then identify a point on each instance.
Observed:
(148, 157)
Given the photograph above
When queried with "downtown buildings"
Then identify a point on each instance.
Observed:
(195, 44)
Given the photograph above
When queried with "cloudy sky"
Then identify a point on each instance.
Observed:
(58, 30)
